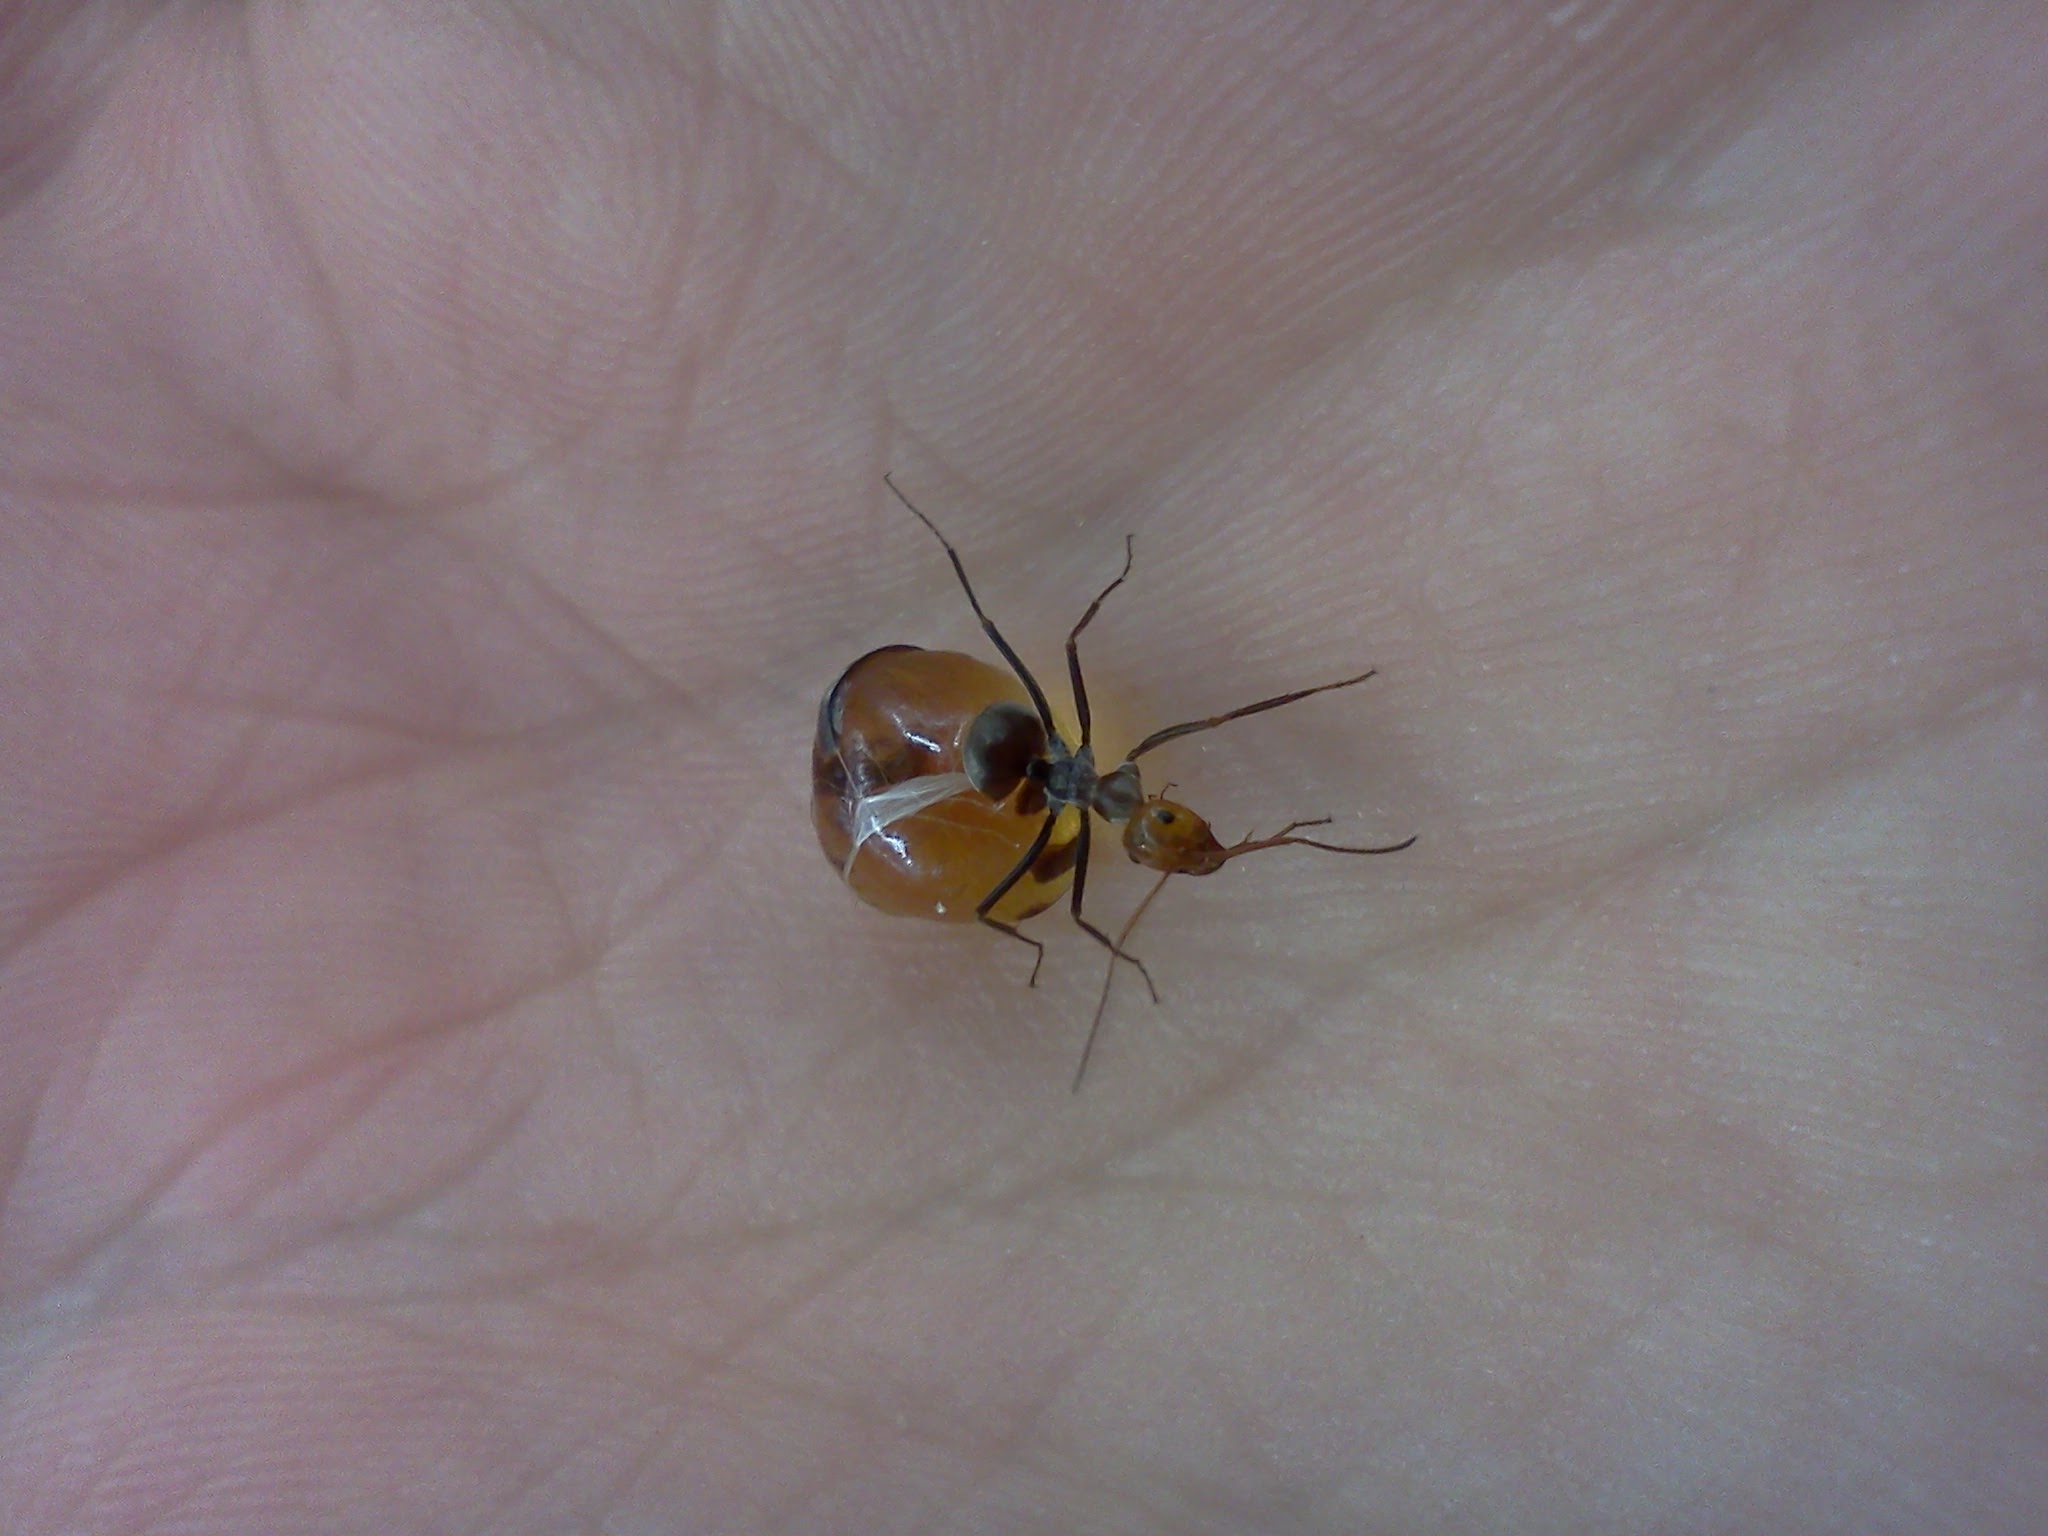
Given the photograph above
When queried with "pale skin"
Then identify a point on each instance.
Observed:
(440, 469)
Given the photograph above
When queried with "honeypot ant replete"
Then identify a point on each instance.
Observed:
(941, 791)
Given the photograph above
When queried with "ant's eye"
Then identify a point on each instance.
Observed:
(1164, 818)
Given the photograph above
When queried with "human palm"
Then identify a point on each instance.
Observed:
(441, 458)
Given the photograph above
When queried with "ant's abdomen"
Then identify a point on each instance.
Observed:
(890, 798)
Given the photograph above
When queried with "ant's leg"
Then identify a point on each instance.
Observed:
(1102, 1002)
(988, 625)
(1095, 933)
(1018, 872)
(1074, 653)
(1189, 728)
(1037, 959)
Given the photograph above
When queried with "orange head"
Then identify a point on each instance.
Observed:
(1165, 835)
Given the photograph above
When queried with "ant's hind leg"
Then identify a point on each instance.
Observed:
(1109, 944)
(1017, 872)
(1038, 956)
(1093, 932)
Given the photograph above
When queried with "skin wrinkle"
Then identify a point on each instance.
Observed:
(705, 1370)
(1068, 1364)
(545, 452)
(693, 358)
(1044, 258)
(48, 79)
(320, 1069)
(188, 836)
(430, 1186)
(308, 484)
(661, 1437)
(39, 1125)
(660, 689)
(325, 301)
(283, 711)
(1242, 1446)
(607, 397)
(660, 1365)
(189, 833)
(132, 1217)
(787, 1307)
(491, 1362)
(698, 349)
(295, 481)
(80, 496)
(534, 1477)
(930, 1431)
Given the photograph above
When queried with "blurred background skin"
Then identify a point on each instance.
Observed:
(440, 470)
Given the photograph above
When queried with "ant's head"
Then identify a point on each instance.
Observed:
(1164, 835)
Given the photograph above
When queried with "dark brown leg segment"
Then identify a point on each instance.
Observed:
(1022, 868)
(1074, 653)
(1095, 933)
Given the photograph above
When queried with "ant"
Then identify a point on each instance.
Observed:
(930, 775)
